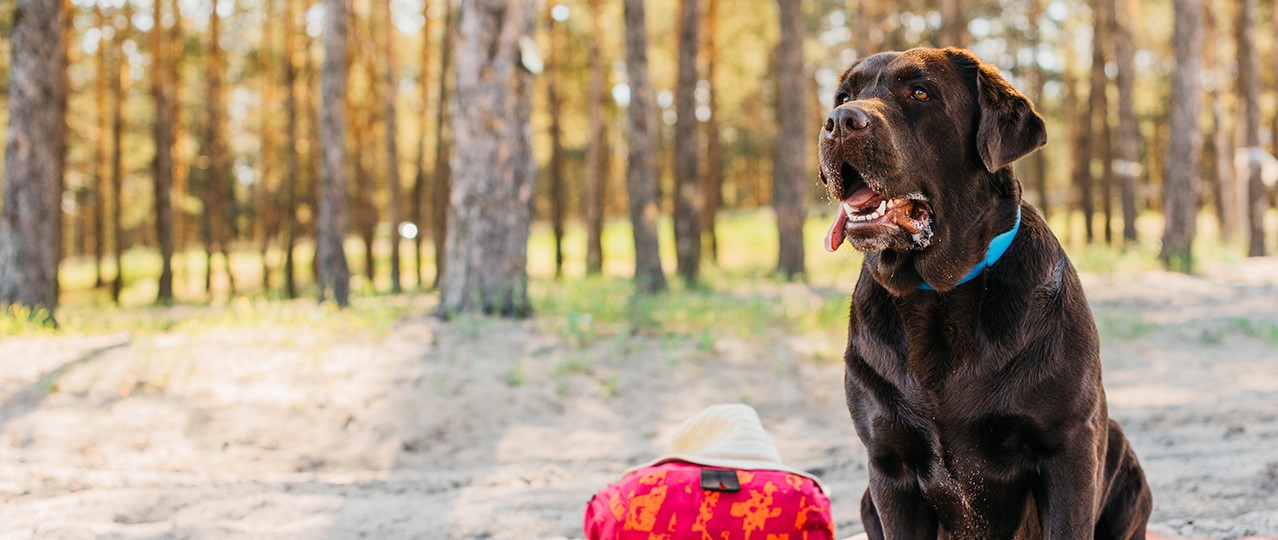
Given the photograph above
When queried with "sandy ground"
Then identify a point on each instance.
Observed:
(494, 429)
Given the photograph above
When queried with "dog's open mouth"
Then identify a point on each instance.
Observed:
(866, 213)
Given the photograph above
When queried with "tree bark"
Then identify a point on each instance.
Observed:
(32, 200)
(99, 146)
(954, 33)
(1219, 147)
(420, 179)
(293, 157)
(492, 201)
(598, 149)
(688, 197)
(267, 216)
(789, 171)
(392, 142)
(1098, 139)
(1080, 146)
(1180, 188)
(119, 78)
(1129, 137)
(1249, 111)
(442, 189)
(713, 179)
(641, 171)
(330, 226)
(554, 103)
(220, 180)
(162, 164)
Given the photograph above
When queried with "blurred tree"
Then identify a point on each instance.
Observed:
(554, 104)
(1098, 140)
(100, 76)
(29, 224)
(1249, 113)
(330, 225)
(119, 78)
(1180, 187)
(1219, 146)
(688, 197)
(490, 209)
(641, 172)
(293, 145)
(219, 182)
(598, 150)
(441, 191)
(390, 88)
(420, 179)
(1079, 141)
(953, 32)
(264, 191)
(713, 178)
(790, 157)
(180, 188)
(162, 164)
(363, 114)
(1129, 137)
(1037, 77)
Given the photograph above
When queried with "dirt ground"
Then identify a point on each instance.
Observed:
(494, 429)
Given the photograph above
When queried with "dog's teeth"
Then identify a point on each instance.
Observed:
(882, 207)
(848, 208)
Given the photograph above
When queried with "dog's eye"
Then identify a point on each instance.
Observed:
(842, 98)
(920, 94)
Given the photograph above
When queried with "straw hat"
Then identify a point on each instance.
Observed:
(727, 435)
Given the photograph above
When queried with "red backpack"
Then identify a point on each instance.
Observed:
(678, 499)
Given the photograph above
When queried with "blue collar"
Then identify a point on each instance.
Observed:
(998, 246)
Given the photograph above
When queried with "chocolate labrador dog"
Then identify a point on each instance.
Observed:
(973, 367)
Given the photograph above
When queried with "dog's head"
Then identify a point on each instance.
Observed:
(917, 151)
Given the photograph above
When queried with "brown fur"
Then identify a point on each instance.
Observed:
(980, 404)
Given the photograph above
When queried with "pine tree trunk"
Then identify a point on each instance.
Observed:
(294, 159)
(492, 201)
(1129, 137)
(330, 226)
(954, 33)
(713, 183)
(789, 172)
(641, 171)
(688, 198)
(441, 192)
(220, 178)
(598, 150)
(181, 187)
(119, 78)
(1219, 140)
(162, 165)
(392, 142)
(554, 103)
(1080, 148)
(32, 200)
(1249, 111)
(99, 148)
(1180, 188)
(420, 179)
(1098, 143)
(264, 194)
(1038, 160)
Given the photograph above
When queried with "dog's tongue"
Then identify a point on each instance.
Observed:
(838, 231)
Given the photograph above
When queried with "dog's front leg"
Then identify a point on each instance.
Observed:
(1066, 494)
(902, 512)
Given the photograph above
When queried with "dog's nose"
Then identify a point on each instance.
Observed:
(844, 122)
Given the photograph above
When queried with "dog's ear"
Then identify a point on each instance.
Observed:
(1008, 128)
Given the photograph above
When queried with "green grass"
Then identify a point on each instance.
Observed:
(739, 295)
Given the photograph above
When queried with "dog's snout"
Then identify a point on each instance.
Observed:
(844, 122)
